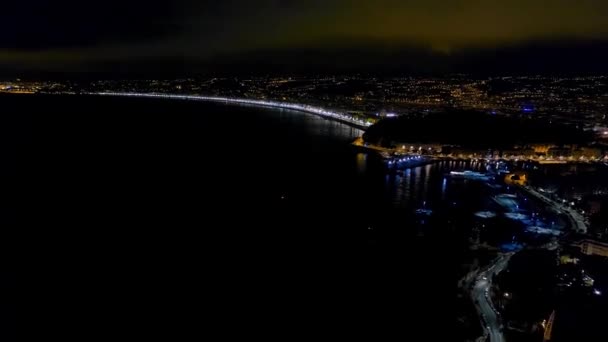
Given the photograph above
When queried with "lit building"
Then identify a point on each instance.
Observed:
(592, 247)
(519, 178)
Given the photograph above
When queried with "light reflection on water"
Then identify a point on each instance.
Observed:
(361, 163)
(414, 186)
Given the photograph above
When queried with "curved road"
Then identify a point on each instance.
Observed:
(577, 221)
(341, 117)
(483, 303)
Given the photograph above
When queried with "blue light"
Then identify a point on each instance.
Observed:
(528, 109)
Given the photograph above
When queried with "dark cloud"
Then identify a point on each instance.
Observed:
(42, 25)
(77, 35)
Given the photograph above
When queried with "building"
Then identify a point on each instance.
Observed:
(519, 178)
(592, 247)
(594, 205)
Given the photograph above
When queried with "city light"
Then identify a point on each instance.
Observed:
(274, 104)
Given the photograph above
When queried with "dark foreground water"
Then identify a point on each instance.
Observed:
(170, 219)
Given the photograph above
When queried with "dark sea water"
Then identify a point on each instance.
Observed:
(174, 219)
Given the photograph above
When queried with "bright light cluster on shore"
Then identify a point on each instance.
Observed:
(274, 104)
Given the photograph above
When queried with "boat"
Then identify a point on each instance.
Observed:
(469, 174)
(425, 212)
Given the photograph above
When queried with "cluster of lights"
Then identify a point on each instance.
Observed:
(403, 160)
(283, 105)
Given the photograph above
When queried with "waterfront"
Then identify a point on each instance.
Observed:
(279, 211)
(340, 117)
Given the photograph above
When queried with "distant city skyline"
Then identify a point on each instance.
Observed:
(580, 98)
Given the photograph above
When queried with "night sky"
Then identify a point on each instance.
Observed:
(41, 35)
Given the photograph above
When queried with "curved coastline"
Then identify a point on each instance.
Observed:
(340, 117)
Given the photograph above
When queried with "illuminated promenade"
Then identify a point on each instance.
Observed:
(344, 118)
(349, 120)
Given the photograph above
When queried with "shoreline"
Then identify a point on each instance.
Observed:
(390, 152)
(318, 111)
(384, 152)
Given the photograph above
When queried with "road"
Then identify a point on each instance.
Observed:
(577, 221)
(483, 303)
(337, 116)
